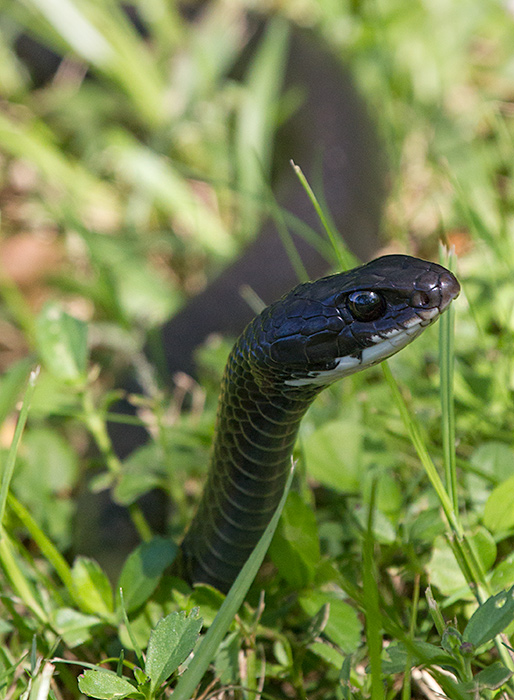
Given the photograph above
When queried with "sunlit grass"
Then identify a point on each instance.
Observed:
(150, 161)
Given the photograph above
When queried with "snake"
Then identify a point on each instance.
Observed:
(315, 334)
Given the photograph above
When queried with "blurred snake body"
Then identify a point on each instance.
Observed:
(318, 332)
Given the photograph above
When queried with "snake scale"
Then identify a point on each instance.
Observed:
(318, 332)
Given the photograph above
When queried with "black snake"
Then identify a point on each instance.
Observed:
(313, 335)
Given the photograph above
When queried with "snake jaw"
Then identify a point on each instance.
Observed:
(383, 347)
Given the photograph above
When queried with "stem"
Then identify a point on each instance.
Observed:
(139, 521)
(97, 425)
(98, 429)
(406, 688)
(287, 241)
(372, 607)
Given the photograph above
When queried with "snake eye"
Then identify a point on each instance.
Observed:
(366, 306)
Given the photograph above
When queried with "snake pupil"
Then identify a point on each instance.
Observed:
(366, 305)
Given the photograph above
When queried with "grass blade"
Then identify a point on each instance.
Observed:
(446, 365)
(420, 446)
(344, 257)
(20, 584)
(13, 451)
(257, 117)
(46, 546)
(372, 606)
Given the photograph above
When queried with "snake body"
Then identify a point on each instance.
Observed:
(316, 333)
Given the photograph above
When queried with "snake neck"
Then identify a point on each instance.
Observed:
(256, 428)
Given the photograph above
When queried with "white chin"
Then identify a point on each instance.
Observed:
(384, 346)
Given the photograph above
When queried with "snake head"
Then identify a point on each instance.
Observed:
(340, 324)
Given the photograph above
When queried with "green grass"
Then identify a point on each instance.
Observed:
(392, 563)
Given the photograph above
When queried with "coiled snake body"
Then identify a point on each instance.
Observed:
(316, 333)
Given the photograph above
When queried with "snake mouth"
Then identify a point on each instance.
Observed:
(386, 344)
(382, 346)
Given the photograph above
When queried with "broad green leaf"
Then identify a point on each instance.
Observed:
(333, 455)
(73, 626)
(209, 600)
(49, 461)
(106, 685)
(283, 652)
(503, 575)
(490, 618)
(226, 662)
(295, 546)
(143, 569)
(425, 526)
(329, 654)
(484, 547)
(383, 530)
(52, 397)
(46, 473)
(396, 655)
(343, 627)
(143, 470)
(444, 571)
(389, 496)
(490, 678)
(143, 294)
(92, 587)
(499, 508)
(171, 642)
(495, 460)
(62, 343)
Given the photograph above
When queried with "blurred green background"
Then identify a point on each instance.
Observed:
(147, 200)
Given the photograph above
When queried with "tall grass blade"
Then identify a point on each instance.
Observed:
(420, 446)
(46, 546)
(20, 584)
(34, 142)
(101, 34)
(446, 366)
(344, 256)
(257, 119)
(156, 178)
(287, 240)
(13, 450)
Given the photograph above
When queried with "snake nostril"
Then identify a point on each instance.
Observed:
(421, 299)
